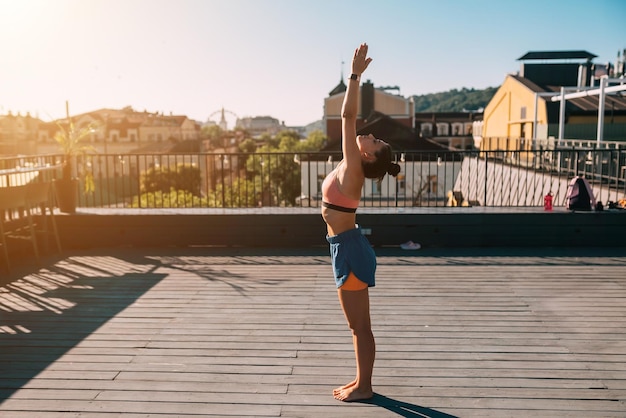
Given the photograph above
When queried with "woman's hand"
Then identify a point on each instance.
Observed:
(360, 61)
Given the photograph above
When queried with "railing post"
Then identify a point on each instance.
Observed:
(486, 173)
(601, 102)
(562, 116)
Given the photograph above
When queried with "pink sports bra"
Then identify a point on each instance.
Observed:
(332, 197)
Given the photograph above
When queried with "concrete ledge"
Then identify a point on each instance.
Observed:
(438, 227)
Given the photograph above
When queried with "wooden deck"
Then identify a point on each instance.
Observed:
(215, 332)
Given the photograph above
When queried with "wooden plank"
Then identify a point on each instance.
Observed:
(144, 407)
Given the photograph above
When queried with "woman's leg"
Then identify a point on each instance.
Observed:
(356, 308)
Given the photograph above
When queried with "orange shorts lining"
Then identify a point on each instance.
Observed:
(353, 283)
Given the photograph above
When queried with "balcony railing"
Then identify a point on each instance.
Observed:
(500, 178)
(16, 171)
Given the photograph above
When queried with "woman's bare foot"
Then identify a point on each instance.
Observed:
(353, 393)
(344, 387)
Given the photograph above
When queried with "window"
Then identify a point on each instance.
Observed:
(375, 188)
(457, 129)
(320, 180)
(523, 113)
(401, 185)
(442, 129)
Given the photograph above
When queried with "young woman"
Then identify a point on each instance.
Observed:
(353, 260)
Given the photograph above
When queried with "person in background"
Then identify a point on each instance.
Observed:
(353, 259)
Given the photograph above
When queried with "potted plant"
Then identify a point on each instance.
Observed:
(72, 142)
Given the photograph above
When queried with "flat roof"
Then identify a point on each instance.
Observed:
(554, 55)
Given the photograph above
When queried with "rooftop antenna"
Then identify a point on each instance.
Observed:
(341, 78)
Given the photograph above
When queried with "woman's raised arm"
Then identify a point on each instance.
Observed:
(349, 111)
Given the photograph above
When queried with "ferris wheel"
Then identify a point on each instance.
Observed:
(223, 118)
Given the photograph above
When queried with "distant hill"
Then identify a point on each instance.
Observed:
(454, 100)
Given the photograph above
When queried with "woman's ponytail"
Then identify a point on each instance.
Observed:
(393, 169)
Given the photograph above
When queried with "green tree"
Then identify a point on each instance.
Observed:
(188, 178)
(454, 100)
(168, 199)
(241, 193)
(247, 146)
(277, 174)
(185, 177)
(287, 141)
(275, 168)
(214, 134)
(272, 173)
(314, 142)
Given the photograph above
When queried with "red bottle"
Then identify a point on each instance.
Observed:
(547, 201)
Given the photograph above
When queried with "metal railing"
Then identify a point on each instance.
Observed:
(499, 178)
(17, 171)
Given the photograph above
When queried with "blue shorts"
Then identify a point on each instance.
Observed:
(350, 251)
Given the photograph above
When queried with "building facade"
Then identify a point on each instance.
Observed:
(372, 100)
(453, 130)
(260, 125)
(122, 130)
(18, 134)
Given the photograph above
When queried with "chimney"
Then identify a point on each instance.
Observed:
(582, 76)
(367, 99)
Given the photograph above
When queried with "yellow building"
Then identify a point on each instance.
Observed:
(509, 118)
(523, 108)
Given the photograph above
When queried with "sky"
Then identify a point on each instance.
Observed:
(277, 58)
